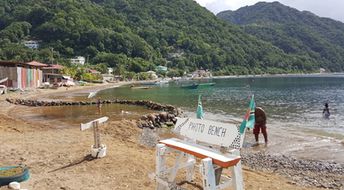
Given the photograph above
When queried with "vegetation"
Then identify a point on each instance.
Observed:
(134, 36)
(296, 33)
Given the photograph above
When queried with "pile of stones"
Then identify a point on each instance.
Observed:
(158, 120)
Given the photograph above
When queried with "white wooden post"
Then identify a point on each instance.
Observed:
(98, 150)
(160, 165)
(208, 174)
(190, 169)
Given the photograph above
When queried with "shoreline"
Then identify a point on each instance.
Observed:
(124, 141)
(281, 75)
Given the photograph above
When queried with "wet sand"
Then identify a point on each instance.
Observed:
(58, 156)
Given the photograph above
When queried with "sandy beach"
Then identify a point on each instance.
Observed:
(58, 157)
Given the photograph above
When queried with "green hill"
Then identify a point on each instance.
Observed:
(295, 32)
(137, 35)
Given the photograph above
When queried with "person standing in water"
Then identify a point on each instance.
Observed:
(326, 112)
(260, 125)
(99, 105)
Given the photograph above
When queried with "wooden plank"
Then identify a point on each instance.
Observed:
(202, 152)
(88, 125)
(96, 135)
(211, 132)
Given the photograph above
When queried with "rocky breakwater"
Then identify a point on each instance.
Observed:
(169, 109)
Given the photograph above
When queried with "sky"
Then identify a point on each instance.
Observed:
(325, 8)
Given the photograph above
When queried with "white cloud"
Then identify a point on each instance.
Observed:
(328, 8)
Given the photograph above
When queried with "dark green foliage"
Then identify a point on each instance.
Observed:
(296, 33)
(136, 35)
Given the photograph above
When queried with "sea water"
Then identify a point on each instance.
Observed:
(289, 101)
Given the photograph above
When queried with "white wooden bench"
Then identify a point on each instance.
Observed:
(217, 144)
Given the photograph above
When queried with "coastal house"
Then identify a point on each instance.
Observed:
(92, 71)
(52, 73)
(118, 78)
(108, 77)
(110, 71)
(161, 68)
(79, 60)
(201, 73)
(32, 44)
(152, 75)
(22, 75)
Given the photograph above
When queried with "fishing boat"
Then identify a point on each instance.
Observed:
(3, 89)
(140, 87)
(200, 85)
(3, 80)
(9, 174)
(162, 82)
(92, 94)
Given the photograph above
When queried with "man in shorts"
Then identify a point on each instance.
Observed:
(260, 124)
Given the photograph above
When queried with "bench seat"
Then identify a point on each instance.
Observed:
(202, 152)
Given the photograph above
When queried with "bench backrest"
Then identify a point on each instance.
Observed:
(210, 132)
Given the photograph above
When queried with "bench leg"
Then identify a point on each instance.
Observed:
(160, 165)
(190, 170)
(208, 174)
(175, 168)
(238, 183)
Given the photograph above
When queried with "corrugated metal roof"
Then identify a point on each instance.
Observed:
(32, 63)
(36, 63)
(55, 66)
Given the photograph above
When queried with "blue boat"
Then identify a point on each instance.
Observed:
(10, 174)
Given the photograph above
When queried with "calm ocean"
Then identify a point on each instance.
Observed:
(290, 101)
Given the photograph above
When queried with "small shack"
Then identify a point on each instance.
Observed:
(52, 73)
(22, 75)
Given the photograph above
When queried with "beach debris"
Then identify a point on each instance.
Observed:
(98, 150)
(92, 94)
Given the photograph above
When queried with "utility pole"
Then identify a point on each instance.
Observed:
(52, 55)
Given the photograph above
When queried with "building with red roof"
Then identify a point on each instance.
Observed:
(52, 73)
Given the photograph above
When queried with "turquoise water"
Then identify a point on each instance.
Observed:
(291, 101)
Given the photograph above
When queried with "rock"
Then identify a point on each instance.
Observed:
(14, 185)
(151, 117)
(170, 124)
(163, 116)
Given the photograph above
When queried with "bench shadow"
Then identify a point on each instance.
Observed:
(88, 158)
(190, 183)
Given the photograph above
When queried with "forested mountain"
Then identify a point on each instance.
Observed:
(295, 32)
(136, 35)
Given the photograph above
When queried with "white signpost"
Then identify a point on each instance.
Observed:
(211, 132)
(98, 150)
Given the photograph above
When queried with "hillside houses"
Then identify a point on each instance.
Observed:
(22, 75)
(79, 60)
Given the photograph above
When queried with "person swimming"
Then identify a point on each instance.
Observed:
(326, 112)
